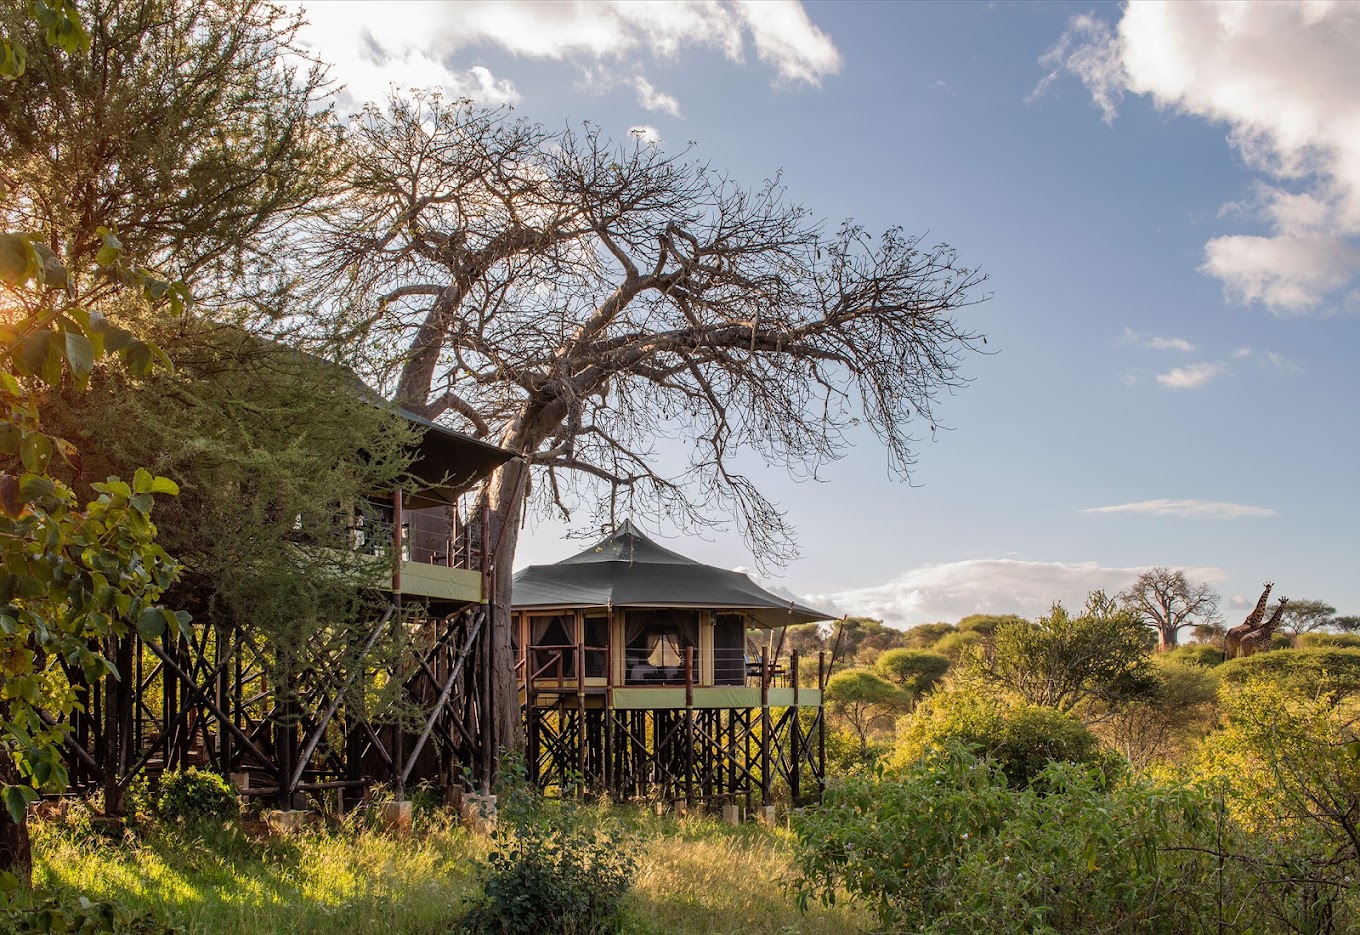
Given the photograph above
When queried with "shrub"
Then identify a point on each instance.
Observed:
(1328, 641)
(553, 871)
(193, 795)
(42, 910)
(1020, 738)
(950, 846)
(954, 645)
(1195, 654)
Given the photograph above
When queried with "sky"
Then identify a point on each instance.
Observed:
(1165, 199)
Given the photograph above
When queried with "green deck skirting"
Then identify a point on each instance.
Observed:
(440, 583)
(717, 696)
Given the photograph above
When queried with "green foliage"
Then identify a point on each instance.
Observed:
(193, 795)
(178, 126)
(914, 671)
(1328, 641)
(985, 624)
(949, 845)
(1307, 672)
(553, 869)
(858, 698)
(1162, 728)
(23, 912)
(1287, 758)
(71, 575)
(863, 638)
(1020, 738)
(955, 645)
(926, 635)
(1069, 662)
(271, 448)
(1195, 654)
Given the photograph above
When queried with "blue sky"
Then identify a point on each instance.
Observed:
(1166, 200)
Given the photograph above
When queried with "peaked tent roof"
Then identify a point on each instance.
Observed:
(626, 569)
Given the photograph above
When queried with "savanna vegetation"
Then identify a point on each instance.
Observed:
(1100, 769)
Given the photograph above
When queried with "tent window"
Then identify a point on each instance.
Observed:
(596, 639)
(656, 642)
(553, 645)
(729, 649)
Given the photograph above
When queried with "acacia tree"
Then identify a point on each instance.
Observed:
(1304, 616)
(574, 301)
(180, 126)
(1093, 662)
(1169, 602)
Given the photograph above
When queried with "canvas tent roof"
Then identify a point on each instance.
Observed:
(450, 461)
(626, 569)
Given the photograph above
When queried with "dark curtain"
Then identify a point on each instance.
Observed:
(553, 631)
(729, 645)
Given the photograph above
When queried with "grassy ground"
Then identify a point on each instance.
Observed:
(694, 876)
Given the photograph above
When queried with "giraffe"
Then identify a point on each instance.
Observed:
(1232, 640)
(1259, 639)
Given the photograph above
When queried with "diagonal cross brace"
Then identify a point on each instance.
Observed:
(443, 698)
(315, 738)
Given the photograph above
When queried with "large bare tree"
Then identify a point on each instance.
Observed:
(575, 300)
(1168, 601)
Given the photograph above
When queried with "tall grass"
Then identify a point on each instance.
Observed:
(695, 876)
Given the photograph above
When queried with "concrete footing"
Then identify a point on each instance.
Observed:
(396, 816)
(765, 815)
(287, 821)
(479, 813)
(732, 814)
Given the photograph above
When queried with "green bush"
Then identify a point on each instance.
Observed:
(1195, 654)
(193, 795)
(555, 869)
(1020, 738)
(41, 910)
(1328, 641)
(950, 846)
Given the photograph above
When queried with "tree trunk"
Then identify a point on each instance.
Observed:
(1166, 638)
(16, 856)
(505, 500)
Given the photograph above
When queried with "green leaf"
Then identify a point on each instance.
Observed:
(36, 452)
(32, 354)
(17, 799)
(165, 485)
(9, 438)
(141, 480)
(18, 261)
(54, 271)
(111, 248)
(13, 59)
(35, 486)
(137, 358)
(151, 623)
(79, 355)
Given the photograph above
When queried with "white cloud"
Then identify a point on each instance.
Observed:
(1153, 342)
(785, 38)
(652, 99)
(1282, 78)
(646, 134)
(953, 590)
(374, 45)
(1192, 376)
(1186, 509)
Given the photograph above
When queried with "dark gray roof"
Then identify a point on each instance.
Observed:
(626, 569)
(449, 461)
